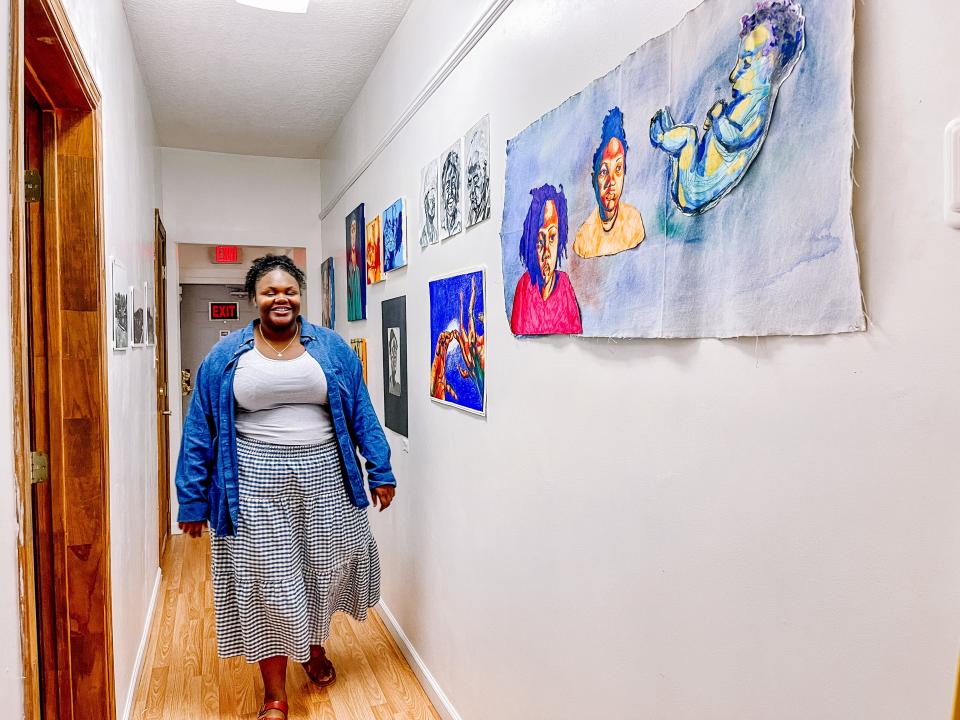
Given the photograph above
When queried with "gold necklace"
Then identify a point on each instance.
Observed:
(278, 352)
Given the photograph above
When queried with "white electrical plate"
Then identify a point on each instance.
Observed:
(951, 165)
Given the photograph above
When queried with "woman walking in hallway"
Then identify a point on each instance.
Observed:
(269, 459)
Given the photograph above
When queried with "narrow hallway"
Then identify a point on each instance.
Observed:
(183, 679)
(603, 356)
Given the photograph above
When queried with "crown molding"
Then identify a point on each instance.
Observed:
(494, 10)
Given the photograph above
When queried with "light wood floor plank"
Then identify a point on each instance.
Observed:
(183, 678)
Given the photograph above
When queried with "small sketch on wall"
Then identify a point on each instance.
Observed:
(150, 303)
(121, 306)
(374, 252)
(139, 316)
(394, 385)
(395, 236)
(451, 190)
(429, 229)
(478, 172)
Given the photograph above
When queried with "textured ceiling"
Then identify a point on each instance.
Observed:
(230, 78)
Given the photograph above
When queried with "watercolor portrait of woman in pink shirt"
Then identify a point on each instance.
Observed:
(544, 302)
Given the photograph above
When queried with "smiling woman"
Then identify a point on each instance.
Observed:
(269, 459)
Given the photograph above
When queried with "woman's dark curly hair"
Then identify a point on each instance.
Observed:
(262, 265)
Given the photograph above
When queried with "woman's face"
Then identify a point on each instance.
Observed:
(548, 239)
(278, 299)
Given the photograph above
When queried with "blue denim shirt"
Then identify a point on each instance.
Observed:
(207, 484)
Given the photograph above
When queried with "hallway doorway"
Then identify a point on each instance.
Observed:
(163, 380)
(200, 330)
(60, 393)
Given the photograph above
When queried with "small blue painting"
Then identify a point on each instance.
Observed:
(395, 236)
(457, 341)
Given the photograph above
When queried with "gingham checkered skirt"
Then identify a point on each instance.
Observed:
(302, 552)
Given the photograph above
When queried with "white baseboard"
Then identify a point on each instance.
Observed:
(439, 698)
(144, 640)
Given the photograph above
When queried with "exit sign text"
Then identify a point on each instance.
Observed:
(226, 254)
(224, 311)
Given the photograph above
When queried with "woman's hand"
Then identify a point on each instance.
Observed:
(384, 494)
(193, 529)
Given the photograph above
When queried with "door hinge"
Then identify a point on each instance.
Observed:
(39, 467)
(32, 186)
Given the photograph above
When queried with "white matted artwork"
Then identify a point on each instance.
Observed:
(451, 190)
(429, 228)
(120, 306)
(139, 312)
(458, 340)
(477, 148)
(394, 380)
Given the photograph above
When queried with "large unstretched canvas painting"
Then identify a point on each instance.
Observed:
(356, 265)
(458, 341)
(700, 189)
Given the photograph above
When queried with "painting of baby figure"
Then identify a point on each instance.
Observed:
(707, 165)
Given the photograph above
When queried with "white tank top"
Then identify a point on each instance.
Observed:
(282, 402)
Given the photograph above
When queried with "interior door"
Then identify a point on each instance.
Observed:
(44, 566)
(163, 388)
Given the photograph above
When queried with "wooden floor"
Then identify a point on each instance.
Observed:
(183, 679)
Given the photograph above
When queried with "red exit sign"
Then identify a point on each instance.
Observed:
(226, 254)
(224, 311)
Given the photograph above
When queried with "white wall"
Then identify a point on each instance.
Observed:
(129, 198)
(11, 668)
(734, 530)
(220, 199)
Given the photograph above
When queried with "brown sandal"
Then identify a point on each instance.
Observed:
(274, 705)
(327, 666)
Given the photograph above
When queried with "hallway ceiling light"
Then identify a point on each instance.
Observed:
(287, 6)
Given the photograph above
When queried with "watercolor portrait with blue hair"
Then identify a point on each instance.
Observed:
(612, 226)
(544, 302)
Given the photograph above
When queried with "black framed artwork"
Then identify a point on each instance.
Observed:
(393, 330)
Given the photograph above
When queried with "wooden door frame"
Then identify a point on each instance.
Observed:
(46, 58)
(163, 382)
